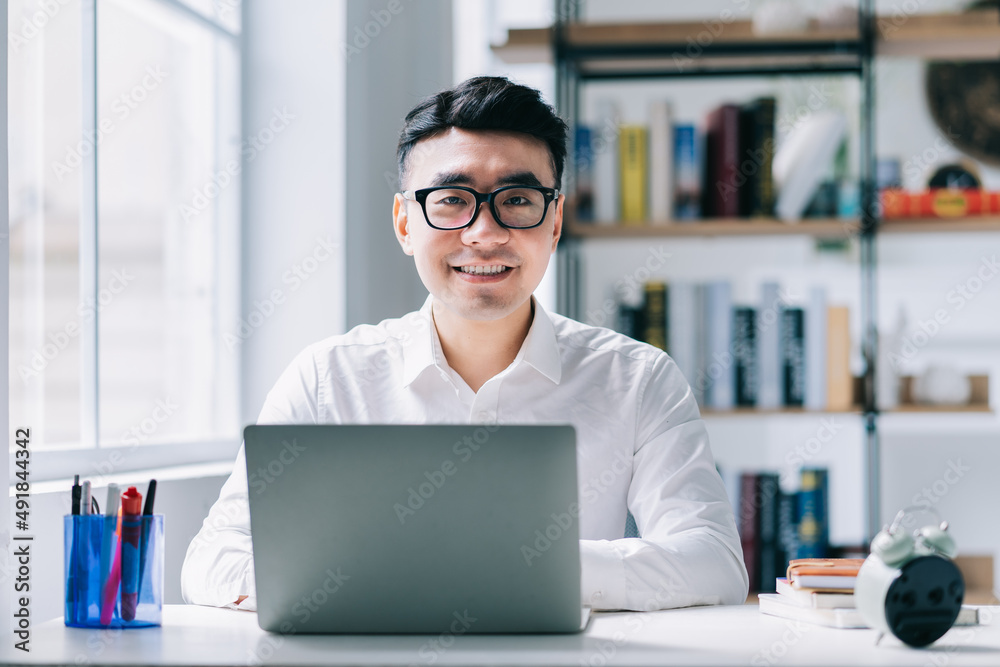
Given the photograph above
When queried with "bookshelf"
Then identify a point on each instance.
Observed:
(583, 53)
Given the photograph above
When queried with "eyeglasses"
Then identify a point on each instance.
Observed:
(451, 207)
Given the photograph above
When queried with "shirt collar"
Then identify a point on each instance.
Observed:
(539, 350)
(424, 346)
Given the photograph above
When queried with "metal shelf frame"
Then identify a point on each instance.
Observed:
(577, 64)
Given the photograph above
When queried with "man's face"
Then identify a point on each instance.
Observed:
(483, 160)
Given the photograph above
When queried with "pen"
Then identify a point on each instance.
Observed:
(74, 559)
(83, 555)
(114, 578)
(147, 517)
(77, 490)
(108, 537)
(131, 531)
(85, 498)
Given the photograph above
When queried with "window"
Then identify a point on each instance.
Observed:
(124, 182)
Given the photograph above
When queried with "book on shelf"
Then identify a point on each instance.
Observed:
(813, 514)
(793, 362)
(661, 158)
(774, 604)
(604, 150)
(815, 598)
(681, 342)
(770, 557)
(718, 370)
(584, 169)
(748, 510)
(823, 573)
(654, 314)
(633, 172)
(938, 203)
(687, 174)
(839, 380)
(745, 355)
(757, 157)
(816, 350)
(720, 194)
(769, 389)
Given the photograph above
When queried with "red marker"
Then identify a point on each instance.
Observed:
(131, 532)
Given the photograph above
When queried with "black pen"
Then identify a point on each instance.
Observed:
(147, 517)
(76, 494)
(74, 559)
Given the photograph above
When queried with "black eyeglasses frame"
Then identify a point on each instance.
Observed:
(420, 196)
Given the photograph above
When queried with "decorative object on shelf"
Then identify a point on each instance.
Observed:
(890, 355)
(803, 159)
(909, 585)
(964, 98)
(774, 17)
(942, 385)
(957, 176)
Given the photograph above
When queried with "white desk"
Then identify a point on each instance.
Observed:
(737, 635)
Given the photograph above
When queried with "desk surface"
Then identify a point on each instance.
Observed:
(737, 635)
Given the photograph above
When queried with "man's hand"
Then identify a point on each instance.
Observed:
(240, 599)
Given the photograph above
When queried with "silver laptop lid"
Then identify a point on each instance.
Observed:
(414, 529)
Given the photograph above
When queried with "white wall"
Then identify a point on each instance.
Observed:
(395, 66)
(294, 191)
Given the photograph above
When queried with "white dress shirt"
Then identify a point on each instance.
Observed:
(641, 446)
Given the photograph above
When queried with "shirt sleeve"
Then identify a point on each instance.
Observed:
(218, 567)
(689, 551)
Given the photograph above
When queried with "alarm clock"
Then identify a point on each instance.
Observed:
(909, 586)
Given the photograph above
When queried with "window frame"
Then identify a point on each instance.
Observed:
(88, 457)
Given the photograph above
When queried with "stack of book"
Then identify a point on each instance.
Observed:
(821, 591)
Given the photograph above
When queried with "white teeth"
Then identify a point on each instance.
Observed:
(482, 270)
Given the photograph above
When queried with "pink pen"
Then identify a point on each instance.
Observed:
(114, 579)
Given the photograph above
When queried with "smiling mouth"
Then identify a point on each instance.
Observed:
(479, 270)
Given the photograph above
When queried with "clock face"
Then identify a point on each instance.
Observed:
(964, 99)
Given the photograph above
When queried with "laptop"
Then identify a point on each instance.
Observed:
(415, 528)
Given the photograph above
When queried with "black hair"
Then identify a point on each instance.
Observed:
(485, 103)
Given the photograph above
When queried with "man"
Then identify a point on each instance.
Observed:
(481, 215)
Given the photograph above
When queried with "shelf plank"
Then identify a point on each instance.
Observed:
(819, 227)
(985, 223)
(970, 35)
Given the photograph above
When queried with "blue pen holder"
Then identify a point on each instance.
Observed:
(134, 598)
